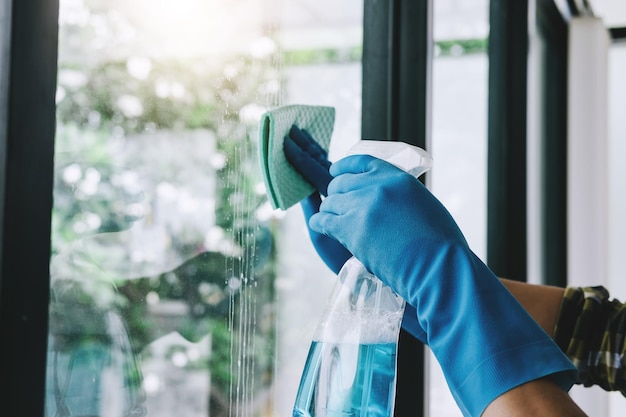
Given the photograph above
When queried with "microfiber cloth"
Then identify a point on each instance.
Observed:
(285, 186)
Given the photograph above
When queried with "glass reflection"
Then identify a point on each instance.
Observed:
(162, 264)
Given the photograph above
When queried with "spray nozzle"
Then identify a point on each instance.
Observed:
(407, 157)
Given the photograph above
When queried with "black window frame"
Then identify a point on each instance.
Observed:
(27, 127)
(506, 136)
(553, 34)
(618, 34)
(397, 60)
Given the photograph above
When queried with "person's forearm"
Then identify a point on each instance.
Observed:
(542, 302)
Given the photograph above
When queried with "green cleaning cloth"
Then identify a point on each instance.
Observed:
(285, 186)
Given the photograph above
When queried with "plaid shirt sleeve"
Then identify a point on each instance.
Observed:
(591, 329)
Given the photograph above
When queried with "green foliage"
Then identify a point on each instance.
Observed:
(107, 155)
(462, 46)
(220, 362)
(89, 198)
(115, 111)
(322, 56)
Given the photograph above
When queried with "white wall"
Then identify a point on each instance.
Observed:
(588, 208)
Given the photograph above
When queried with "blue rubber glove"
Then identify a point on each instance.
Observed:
(308, 157)
(311, 161)
(484, 340)
(333, 253)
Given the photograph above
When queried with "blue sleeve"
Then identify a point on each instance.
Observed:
(485, 341)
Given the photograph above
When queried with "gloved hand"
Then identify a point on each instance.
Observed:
(484, 340)
(335, 255)
(311, 161)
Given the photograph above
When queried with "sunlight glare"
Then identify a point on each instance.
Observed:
(193, 28)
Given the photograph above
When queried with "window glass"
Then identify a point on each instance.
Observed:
(322, 66)
(175, 288)
(459, 136)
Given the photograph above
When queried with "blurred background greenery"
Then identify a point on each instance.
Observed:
(158, 207)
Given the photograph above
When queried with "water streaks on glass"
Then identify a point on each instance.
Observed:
(162, 274)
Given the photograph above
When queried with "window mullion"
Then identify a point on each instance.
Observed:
(396, 71)
(27, 105)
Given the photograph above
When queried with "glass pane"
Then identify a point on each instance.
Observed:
(322, 71)
(322, 42)
(459, 137)
(176, 289)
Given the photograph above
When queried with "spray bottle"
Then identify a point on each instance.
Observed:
(350, 370)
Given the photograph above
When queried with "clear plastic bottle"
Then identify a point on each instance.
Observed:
(350, 370)
(351, 366)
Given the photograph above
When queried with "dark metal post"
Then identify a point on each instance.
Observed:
(396, 70)
(396, 78)
(553, 33)
(506, 205)
(27, 124)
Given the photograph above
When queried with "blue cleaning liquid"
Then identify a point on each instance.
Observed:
(347, 380)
